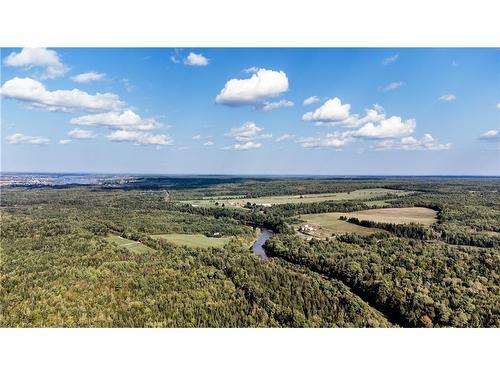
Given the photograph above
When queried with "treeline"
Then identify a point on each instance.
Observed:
(416, 284)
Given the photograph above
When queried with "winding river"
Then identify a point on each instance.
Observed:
(257, 248)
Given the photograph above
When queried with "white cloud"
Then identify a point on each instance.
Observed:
(374, 114)
(336, 140)
(269, 106)
(197, 137)
(252, 69)
(243, 146)
(175, 59)
(20, 138)
(255, 90)
(245, 132)
(65, 141)
(392, 127)
(311, 100)
(81, 134)
(38, 57)
(208, 143)
(390, 59)
(88, 77)
(196, 59)
(34, 94)
(498, 105)
(140, 138)
(392, 86)
(427, 142)
(490, 135)
(128, 86)
(118, 120)
(331, 111)
(285, 137)
(447, 98)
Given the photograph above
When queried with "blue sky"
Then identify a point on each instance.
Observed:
(242, 111)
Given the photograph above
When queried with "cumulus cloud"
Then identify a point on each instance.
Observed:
(274, 105)
(118, 120)
(427, 142)
(196, 59)
(490, 135)
(140, 138)
(88, 77)
(65, 141)
(38, 57)
(311, 100)
(197, 137)
(20, 138)
(331, 111)
(393, 127)
(262, 85)
(245, 132)
(285, 137)
(81, 134)
(447, 97)
(391, 86)
(390, 59)
(243, 146)
(208, 143)
(335, 140)
(34, 94)
(252, 69)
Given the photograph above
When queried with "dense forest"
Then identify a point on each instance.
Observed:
(58, 267)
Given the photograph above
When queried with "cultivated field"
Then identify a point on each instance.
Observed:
(329, 224)
(404, 215)
(238, 202)
(194, 240)
(132, 246)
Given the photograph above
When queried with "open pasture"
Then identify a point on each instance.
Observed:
(132, 246)
(361, 194)
(193, 240)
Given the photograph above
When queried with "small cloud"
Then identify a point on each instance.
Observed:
(88, 77)
(81, 134)
(253, 91)
(427, 142)
(197, 137)
(196, 59)
(243, 146)
(331, 111)
(65, 141)
(128, 86)
(311, 100)
(390, 59)
(250, 70)
(285, 137)
(208, 143)
(391, 86)
(490, 135)
(267, 106)
(38, 57)
(498, 105)
(140, 138)
(174, 59)
(454, 64)
(245, 132)
(447, 98)
(20, 138)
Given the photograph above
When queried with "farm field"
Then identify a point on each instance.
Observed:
(193, 240)
(404, 215)
(361, 194)
(329, 224)
(133, 246)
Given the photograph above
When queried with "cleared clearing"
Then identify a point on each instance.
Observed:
(328, 224)
(403, 215)
(193, 240)
(132, 246)
(362, 194)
